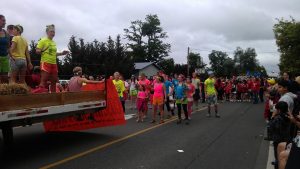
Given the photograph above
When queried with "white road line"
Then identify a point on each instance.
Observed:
(271, 157)
(129, 116)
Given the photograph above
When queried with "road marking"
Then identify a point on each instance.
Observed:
(129, 116)
(270, 157)
(109, 144)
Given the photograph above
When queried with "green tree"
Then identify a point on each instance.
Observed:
(194, 61)
(35, 58)
(126, 63)
(167, 65)
(229, 67)
(134, 35)
(180, 69)
(245, 60)
(217, 60)
(156, 48)
(287, 34)
(146, 40)
(97, 58)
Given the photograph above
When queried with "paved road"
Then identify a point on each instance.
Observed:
(235, 141)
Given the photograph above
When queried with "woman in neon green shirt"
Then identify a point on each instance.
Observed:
(47, 48)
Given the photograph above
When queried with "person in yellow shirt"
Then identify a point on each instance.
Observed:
(211, 94)
(19, 56)
(120, 87)
(47, 48)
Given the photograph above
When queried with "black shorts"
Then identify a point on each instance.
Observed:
(196, 96)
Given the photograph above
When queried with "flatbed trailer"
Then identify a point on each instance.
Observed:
(23, 110)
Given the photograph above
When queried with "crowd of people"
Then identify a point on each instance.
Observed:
(170, 91)
(162, 93)
(282, 109)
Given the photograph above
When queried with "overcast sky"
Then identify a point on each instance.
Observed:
(203, 25)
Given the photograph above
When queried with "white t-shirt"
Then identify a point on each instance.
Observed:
(196, 82)
(289, 99)
(132, 86)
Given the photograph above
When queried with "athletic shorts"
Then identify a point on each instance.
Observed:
(18, 65)
(49, 68)
(133, 92)
(196, 96)
(211, 99)
(4, 64)
(158, 100)
(179, 101)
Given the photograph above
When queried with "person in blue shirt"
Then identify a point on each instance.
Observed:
(175, 80)
(168, 85)
(181, 99)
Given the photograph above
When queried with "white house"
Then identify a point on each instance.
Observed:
(148, 68)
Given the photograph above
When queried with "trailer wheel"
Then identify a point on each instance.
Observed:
(8, 135)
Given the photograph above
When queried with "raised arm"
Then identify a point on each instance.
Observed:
(28, 59)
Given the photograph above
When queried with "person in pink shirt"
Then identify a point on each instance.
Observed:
(159, 98)
(190, 93)
(142, 97)
(144, 81)
(76, 81)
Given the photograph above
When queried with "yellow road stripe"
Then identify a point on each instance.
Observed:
(108, 144)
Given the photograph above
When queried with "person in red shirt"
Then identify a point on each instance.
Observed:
(255, 89)
(249, 85)
(220, 89)
(244, 90)
(228, 88)
(239, 91)
(33, 78)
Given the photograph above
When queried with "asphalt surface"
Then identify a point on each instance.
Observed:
(234, 141)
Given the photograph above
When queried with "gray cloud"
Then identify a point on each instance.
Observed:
(203, 25)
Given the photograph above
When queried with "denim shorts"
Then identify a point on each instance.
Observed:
(18, 64)
(211, 99)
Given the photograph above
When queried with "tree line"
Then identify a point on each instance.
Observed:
(145, 43)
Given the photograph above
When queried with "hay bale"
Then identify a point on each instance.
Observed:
(13, 89)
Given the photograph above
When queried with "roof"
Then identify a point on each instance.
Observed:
(142, 65)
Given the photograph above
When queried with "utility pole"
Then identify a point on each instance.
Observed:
(188, 66)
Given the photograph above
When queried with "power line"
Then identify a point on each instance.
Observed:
(230, 52)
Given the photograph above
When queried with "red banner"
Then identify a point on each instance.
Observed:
(110, 116)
